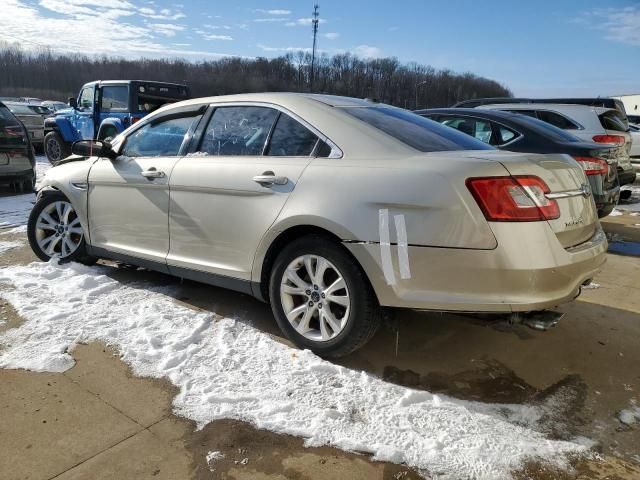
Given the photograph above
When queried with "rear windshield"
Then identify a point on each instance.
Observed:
(546, 129)
(418, 132)
(614, 120)
(6, 117)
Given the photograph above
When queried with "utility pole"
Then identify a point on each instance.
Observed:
(314, 26)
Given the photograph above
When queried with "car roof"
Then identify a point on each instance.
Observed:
(128, 82)
(488, 113)
(285, 99)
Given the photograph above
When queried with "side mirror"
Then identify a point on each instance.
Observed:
(93, 148)
(73, 102)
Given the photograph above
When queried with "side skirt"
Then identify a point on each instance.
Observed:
(238, 285)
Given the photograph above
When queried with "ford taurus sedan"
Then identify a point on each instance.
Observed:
(328, 208)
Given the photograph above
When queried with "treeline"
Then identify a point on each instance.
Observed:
(59, 76)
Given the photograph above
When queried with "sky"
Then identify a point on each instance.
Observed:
(536, 48)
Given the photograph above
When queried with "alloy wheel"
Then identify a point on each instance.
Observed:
(315, 298)
(54, 150)
(58, 230)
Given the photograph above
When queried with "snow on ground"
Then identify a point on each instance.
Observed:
(15, 209)
(630, 415)
(226, 369)
(8, 245)
(632, 204)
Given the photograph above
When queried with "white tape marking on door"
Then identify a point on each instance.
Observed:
(403, 248)
(385, 247)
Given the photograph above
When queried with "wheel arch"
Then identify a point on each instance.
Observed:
(277, 239)
(107, 124)
(63, 127)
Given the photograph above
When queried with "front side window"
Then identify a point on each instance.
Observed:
(415, 131)
(85, 101)
(238, 131)
(159, 139)
(115, 98)
(291, 139)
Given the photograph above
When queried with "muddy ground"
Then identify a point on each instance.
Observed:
(97, 421)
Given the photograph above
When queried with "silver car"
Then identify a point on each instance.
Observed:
(328, 208)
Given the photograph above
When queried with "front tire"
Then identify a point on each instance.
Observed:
(321, 299)
(54, 230)
(55, 147)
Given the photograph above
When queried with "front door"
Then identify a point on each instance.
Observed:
(85, 121)
(227, 195)
(129, 196)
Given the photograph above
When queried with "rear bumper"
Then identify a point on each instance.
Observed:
(526, 272)
(8, 177)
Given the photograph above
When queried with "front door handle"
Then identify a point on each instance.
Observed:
(269, 178)
(152, 173)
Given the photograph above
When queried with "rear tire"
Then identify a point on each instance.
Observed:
(54, 230)
(331, 322)
(55, 147)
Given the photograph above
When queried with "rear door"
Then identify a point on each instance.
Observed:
(568, 186)
(226, 194)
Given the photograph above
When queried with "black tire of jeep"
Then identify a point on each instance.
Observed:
(55, 148)
(365, 313)
(80, 255)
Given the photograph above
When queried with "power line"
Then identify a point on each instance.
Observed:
(314, 26)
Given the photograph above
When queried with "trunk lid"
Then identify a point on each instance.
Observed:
(568, 186)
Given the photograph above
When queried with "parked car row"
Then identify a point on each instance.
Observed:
(596, 132)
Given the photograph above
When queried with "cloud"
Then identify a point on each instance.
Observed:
(367, 51)
(266, 48)
(166, 29)
(105, 29)
(163, 14)
(275, 11)
(620, 25)
(270, 19)
(331, 35)
(207, 36)
(304, 22)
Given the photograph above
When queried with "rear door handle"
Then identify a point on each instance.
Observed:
(152, 173)
(269, 178)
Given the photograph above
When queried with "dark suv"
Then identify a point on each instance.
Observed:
(17, 160)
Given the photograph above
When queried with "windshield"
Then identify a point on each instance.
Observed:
(21, 109)
(416, 131)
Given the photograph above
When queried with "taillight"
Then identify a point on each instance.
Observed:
(14, 131)
(593, 166)
(513, 199)
(609, 139)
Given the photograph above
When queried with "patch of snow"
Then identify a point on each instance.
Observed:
(14, 230)
(631, 415)
(42, 165)
(212, 458)
(8, 245)
(616, 213)
(14, 210)
(226, 369)
(591, 286)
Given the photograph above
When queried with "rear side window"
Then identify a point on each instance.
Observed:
(613, 120)
(528, 113)
(415, 131)
(162, 139)
(291, 139)
(557, 120)
(477, 128)
(505, 134)
(238, 131)
(115, 98)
